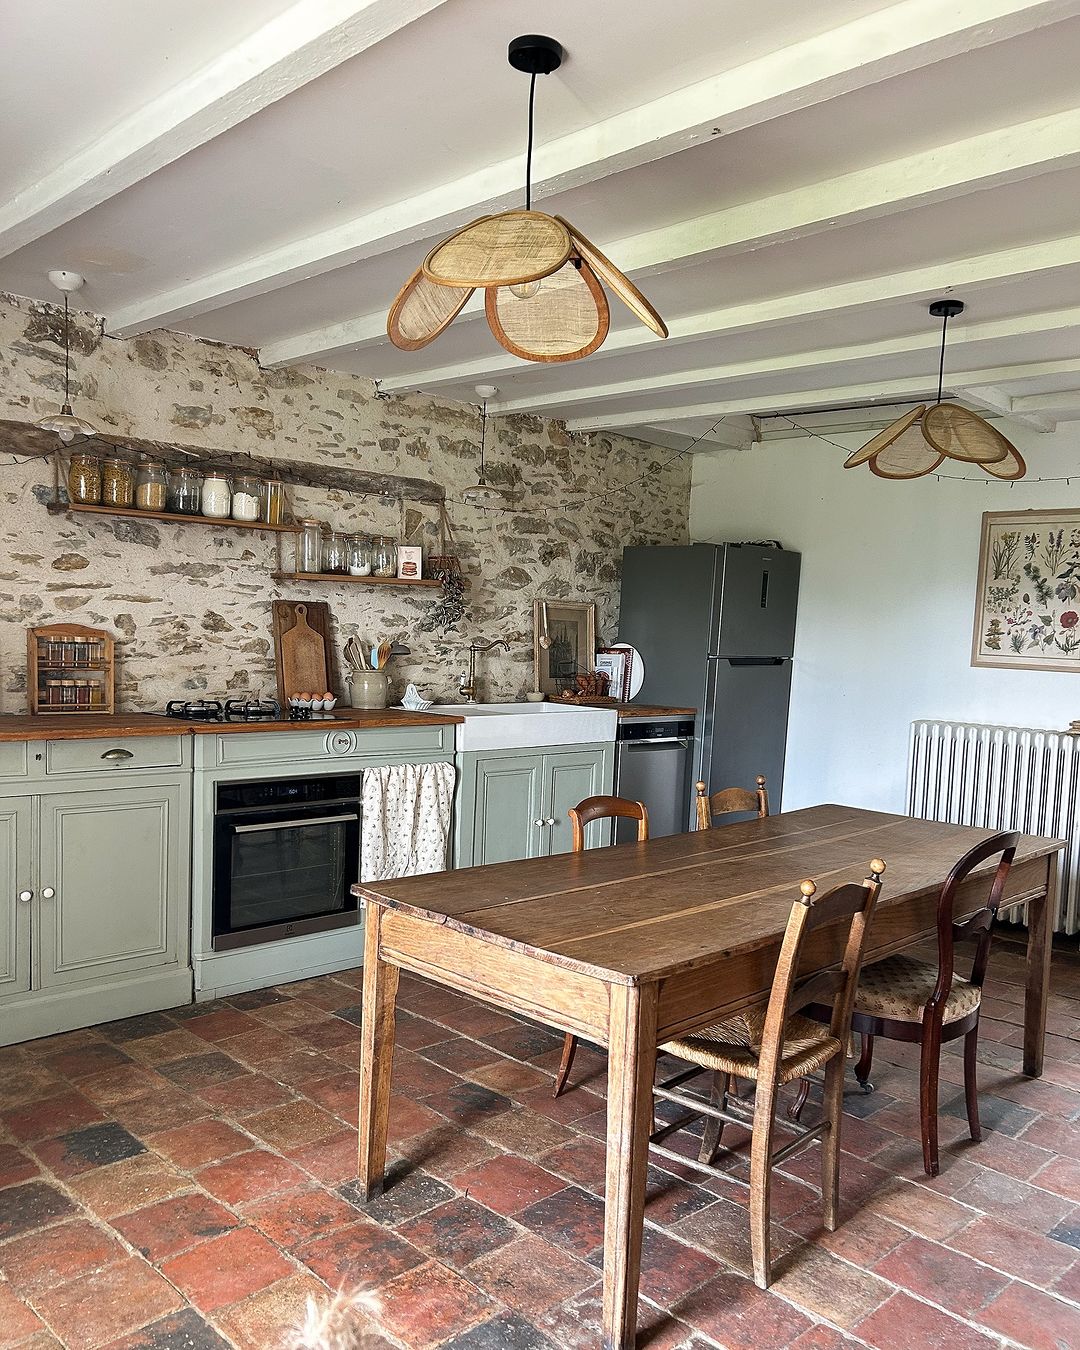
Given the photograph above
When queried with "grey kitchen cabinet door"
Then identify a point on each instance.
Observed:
(506, 809)
(113, 882)
(569, 777)
(16, 897)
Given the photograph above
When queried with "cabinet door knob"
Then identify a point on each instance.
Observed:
(47, 893)
(538, 822)
(550, 820)
(26, 896)
(118, 754)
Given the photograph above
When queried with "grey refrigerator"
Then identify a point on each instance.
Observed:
(715, 626)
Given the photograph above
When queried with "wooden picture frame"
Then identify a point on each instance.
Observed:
(1027, 597)
(571, 629)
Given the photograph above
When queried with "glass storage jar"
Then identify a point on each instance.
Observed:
(273, 501)
(216, 495)
(359, 556)
(309, 546)
(247, 492)
(84, 480)
(384, 557)
(117, 483)
(185, 492)
(335, 552)
(151, 486)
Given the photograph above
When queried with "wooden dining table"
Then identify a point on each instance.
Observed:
(633, 945)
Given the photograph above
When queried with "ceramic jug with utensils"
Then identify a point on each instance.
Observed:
(368, 688)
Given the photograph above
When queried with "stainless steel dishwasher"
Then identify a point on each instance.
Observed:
(652, 765)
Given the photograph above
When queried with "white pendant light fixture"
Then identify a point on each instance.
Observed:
(540, 275)
(66, 425)
(483, 493)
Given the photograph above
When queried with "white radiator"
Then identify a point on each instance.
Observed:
(1003, 778)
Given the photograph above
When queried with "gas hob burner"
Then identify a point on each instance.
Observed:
(194, 709)
(252, 710)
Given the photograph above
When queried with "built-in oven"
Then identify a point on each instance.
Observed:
(286, 856)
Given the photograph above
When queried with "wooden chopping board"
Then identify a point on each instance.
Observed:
(303, 648)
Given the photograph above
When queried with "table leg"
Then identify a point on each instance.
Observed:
(631, 1066)
(1040, 936)
(376, 1057)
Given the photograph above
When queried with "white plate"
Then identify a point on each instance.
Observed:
(637, 667)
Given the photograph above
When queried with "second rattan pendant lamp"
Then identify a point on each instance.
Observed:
(540, 276)
(919, 442)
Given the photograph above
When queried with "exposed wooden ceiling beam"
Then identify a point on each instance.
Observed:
(733, 433)
(292, 49)
(960, 335)
(1064, 404)
(920, 283)
(1009, 154)
(907, 35)
(787, 401)
(991, 399)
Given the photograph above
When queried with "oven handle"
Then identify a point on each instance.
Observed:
(292, 824)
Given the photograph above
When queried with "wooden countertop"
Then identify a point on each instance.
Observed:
(98, 726)
(633, 709)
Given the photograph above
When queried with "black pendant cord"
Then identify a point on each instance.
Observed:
(529, 143)
(941, 360)
(483, 437)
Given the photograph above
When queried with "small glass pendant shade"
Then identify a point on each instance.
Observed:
(66, 425)
(483, 494)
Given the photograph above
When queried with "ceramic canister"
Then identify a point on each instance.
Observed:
(368, 688)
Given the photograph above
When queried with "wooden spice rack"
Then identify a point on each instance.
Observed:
(361, 581)
(58, 681)
(176, 517)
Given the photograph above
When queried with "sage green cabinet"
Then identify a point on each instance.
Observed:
(513, 804)
(113, 879)
(17, 894)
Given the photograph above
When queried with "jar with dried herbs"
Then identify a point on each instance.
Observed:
(84, 480)
(117, 483)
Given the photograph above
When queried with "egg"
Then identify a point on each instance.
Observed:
(303, 696)
(326, 694)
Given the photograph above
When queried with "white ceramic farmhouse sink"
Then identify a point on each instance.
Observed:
(519, 726)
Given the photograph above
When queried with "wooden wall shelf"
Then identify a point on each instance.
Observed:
(356, 581)
(133, 513)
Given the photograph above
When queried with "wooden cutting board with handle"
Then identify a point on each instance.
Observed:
(303, 648)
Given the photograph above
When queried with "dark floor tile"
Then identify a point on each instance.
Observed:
(509, 1332)
(184, 1330)
(458, 1232)
(1068, 1232)
(200, 1071)
(349, 1014)
(407, 1192)
(92, 1146)
(467, 1103)
(29, 1206)
(572, 1219)
(995, 1113)
(256, 998)
(135, 1028)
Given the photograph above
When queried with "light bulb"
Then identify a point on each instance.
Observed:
(525, 290)
(67, 435)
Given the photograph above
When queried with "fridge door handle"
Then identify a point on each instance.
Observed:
(751, 660)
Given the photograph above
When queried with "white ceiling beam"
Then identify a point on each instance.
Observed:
(307, 40)
(788, 400)
(734, 433)
(1010, 154)
(905, 36)
(920, 283)
(1064, 404)
(990, 398)
(960, 335)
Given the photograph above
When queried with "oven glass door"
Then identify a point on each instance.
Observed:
(281, 873)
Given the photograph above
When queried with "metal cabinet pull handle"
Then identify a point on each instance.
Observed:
(117, 754)
(47, 893)
(26, 896)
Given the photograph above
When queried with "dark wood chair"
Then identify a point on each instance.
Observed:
(774, 1044)
(729, 800)
(596, 808)
(904, 999)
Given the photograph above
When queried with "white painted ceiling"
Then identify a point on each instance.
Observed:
(790, 183)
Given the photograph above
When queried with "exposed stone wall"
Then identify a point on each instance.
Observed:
(190, 605)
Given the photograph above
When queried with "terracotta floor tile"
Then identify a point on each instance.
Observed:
(216, 1026)
(205, 1141)
(56, 1255)
(298, 1216)
(246, 1095)
(458, 1232)
(1062, 1176)
(87, 1060)
(825, 1286)
(408, 1118)
(134, 1029)
(267, 1320)
(457, 1054)
(195, 1072)
(303, 1065)
(921, 1210)
(165, 1109)
(31, 1205)
(426, 1306)
(445, 1151)
(185, 1330)
(226, 1269)
(723, 1231)
(339, 1095)
(47, 1117)
(524, 1132)
(1014, 1250)
(256, 1047)
(1015, 1201)
(249, 1176)
(530, 1275)
(669, 1269)
(15, 1165)
(360, 1254)
(120, 1084)
(124, 1186)
(17, 1321)
(1033, 1319)
(97, 1308)
(170, 1045)
(170, 1226)
(904, 1322)
(292, 1125)
(331, 1161)
(732, 1310)
(508, 1184)
(941, 1276)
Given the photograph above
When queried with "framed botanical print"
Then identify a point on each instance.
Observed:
(1027, 606)
(564, 643)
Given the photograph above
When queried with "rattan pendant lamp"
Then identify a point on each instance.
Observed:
(540, 275)
(921, 440)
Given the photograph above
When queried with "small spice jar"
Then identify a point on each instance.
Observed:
(185, 492)
(309, 547)
(384, 557)
(151, 486)
(273, 501)
(247, 492)
(117, 483)
(359, 556)
(84, 480)
(216, 495)
(335, 552)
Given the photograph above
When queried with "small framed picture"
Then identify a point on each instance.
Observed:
(410, 562)
(564, 641)
(615, 662)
